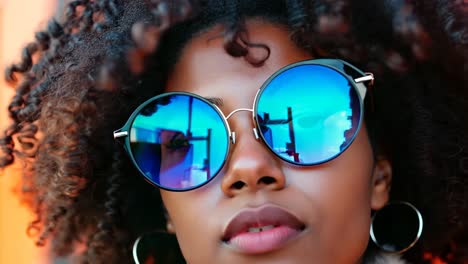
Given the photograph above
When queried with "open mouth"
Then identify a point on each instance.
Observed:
(261, 230)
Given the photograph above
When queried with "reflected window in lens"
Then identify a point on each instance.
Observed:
(177, 133)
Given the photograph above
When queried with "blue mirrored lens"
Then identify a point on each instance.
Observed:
(179, 142)
(308, 114)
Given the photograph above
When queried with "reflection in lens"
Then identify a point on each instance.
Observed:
(308, 114)
(172, 141)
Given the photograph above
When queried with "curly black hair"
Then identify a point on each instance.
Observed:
(83, 76)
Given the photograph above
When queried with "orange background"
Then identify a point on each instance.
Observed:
(19, 19)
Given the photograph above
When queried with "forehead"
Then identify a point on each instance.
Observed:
(204, 62)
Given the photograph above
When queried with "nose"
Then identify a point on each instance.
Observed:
(251, 166)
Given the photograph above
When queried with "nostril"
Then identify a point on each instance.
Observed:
(238, 185)
(266, 180)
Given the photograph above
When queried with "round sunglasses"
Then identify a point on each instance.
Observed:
(307, 113)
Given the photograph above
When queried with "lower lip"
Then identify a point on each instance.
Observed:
(265, 241)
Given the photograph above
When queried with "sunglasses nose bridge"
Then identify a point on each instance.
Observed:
(238, 110)
(233, 133)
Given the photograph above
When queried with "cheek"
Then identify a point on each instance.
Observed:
(193, 217)
(338, 194)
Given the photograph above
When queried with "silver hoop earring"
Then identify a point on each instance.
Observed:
(160, 246)
(396, 227)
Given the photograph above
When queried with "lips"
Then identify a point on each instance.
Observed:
(262, 229)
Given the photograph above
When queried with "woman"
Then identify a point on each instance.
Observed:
(249, 134)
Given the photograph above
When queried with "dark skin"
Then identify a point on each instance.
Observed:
(333, 200)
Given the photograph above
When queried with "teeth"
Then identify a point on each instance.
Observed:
(255, 229)
(260, 229)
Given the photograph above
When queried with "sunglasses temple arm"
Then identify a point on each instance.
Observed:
(120, 135)
(362, 89)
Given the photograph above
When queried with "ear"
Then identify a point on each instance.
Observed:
(169, 224)
(170, 227)
(381, 183)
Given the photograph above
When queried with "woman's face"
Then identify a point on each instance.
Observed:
(323, 211)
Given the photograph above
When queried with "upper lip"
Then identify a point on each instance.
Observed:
(261, 216)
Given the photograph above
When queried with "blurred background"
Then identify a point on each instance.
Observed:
(19, 19)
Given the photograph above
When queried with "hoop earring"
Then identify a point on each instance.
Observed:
(396, 227)
(159, 246)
